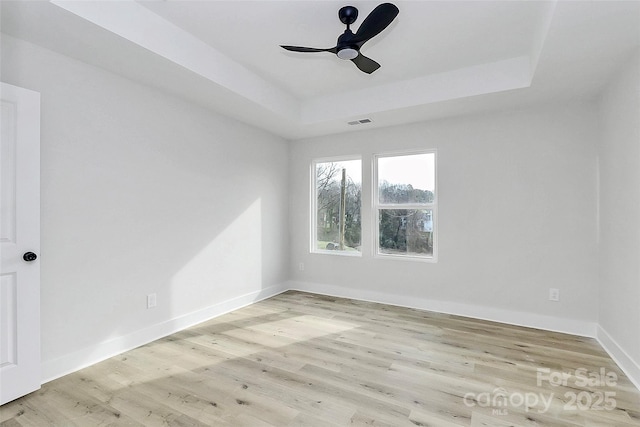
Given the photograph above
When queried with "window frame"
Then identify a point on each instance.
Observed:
(377, 207)
(313, 231)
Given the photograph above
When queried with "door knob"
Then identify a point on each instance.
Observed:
(29, 256)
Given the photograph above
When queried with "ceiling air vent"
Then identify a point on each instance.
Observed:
(359, 122)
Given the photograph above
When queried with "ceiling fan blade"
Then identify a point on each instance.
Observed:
(376, 22)
(365, 64)
(308, 49)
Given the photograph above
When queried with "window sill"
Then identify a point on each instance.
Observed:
(338, 253)
(429, 260)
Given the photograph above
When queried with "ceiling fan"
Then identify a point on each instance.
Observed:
(349, 44)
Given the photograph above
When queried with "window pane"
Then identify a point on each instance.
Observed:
(406, 232)
(338, 205)
(406, 179)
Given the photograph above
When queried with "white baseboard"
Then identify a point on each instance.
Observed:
(530, 320)
(75, 361)
(629, 366)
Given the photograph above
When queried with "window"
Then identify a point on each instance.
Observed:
(337, 200)
(405, 205)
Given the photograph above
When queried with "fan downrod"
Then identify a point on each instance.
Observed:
(348, 15)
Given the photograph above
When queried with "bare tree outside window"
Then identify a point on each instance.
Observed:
(338, 201)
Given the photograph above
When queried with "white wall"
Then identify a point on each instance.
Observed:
(619, 151)
(144, 193)
(517, 216)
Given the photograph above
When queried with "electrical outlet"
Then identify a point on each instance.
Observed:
(301, 266)
(554, 294)
(151, 300)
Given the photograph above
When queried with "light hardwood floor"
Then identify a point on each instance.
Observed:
(310, 360)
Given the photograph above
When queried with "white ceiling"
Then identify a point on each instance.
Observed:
(438, 59)
(250, 33)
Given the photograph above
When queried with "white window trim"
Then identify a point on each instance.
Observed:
(314, 212)
(376, 206)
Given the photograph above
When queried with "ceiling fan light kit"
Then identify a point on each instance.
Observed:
(349, 44)
(347, 53)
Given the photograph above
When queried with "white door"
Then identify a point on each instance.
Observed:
(20, 242)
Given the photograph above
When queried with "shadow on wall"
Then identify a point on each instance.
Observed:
(144, 194)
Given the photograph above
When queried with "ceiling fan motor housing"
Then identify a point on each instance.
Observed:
(345, 48)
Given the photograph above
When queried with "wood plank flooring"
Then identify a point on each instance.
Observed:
(301, 359)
